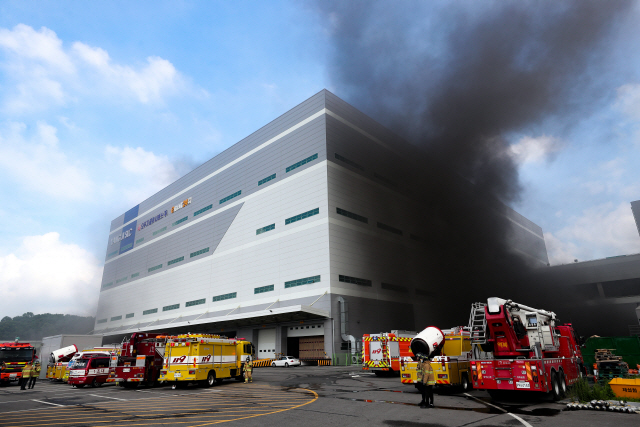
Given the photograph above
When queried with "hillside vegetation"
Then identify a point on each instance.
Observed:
(31, 326)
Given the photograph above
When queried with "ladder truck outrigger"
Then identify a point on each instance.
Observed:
(516, 347)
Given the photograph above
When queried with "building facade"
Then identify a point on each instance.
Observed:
(299, 237)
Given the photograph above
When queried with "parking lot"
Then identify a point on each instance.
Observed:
(306, 396)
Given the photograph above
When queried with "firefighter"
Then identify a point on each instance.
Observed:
(35, 373)
(26, 375)
(248, 369)
(426, 380)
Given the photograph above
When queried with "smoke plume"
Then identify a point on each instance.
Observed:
(459, 79)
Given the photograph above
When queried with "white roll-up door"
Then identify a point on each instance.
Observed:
(266, 343)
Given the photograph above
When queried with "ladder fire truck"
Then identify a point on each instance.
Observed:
(516, 347)
(140, 360)
(381, 353)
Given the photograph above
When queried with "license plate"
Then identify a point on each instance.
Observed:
(177, 375)
(523, 384)
(126, 370)
(13, 375)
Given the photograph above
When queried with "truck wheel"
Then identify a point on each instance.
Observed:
(464, 383)
(555, 387)
(211, 379)
(95, 383)
(563, 383)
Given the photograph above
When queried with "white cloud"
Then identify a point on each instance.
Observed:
(38, 164)
(535, 150)
(601, 231)
(47, 275)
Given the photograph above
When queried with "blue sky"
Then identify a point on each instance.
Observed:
(91, 90)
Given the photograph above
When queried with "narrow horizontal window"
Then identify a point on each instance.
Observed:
(385, 180)
(263, 289)
(170, 307)
(114, 318)
(352, 215)
(114, 253)
(206, 208)
(355, 280)
(126, 247)
(196, 302)
(140, 240)
(307, 214)
(226, 199)
(150, 311)
(121, 280)
(396, 288)
(390, 229)
(180, 221)
(265, 229)
(155, 268)
(174, 261)
(300, 282)
(267, 179)
(302, 162)
(129, 316)
(349, 162)
(102, 321)
(106, 285)
(225, 296)
(200, 252)
(160, 231)
(135, 275)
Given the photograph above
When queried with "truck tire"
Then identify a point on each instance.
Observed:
(211, 379)
(465, 384)
(556, 394)
(563, 383)
(95, 383)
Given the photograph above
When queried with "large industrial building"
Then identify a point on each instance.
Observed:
(299, 237)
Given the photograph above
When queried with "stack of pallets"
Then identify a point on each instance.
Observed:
(610, 366)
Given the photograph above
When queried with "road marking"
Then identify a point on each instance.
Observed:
(48, 403)
(107, 397)
(526, 424)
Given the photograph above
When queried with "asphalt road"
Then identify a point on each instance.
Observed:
(301, 396)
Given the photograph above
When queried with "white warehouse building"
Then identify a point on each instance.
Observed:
(273, 239)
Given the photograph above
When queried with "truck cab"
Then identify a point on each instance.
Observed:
(13, 357)
(89, 369)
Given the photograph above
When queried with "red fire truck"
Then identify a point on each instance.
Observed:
(89, 369)
(381, 353)
(140, 360)
(516, 347)
(14, 355)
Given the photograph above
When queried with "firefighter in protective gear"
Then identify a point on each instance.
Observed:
(426, 382)
(26, 375)
(35, 373)
(248, 369)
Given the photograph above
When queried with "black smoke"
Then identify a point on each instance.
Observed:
(460, 80)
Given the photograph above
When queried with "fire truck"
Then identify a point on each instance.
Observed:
(15, 355)
(450, 367)
(204, 358)
(140, 360)
(381, 353)
(58, 361)
(516, 347)
(89, 369)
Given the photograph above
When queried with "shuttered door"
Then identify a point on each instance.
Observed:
(312, 347)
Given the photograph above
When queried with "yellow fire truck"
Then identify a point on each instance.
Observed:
(204, 358)
(451, 367)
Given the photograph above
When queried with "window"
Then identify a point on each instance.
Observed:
(300, 282)
(121, 280)
(150, 311)
(349, 162)
(236, 194)
(114, 253)
(355, 280)
(396, 288)
(196, 302)
(126, 247)
(265, 229)
(267, 179)
(102, 321)
(129, 316)
(160, 231)
(180, 221)
(154, 268)
(352, 215)
(106, 285)
(390, 229)
(170, 307)
(200, 252)
(135, 275)
(206, 208)
(173, 261)
(307, 214)
(114, 318)
(140, 240)
(263, 289)
(302, 162)
(385, 180)
(224, 297)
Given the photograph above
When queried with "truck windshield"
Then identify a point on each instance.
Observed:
(79, 364)
(20, 355)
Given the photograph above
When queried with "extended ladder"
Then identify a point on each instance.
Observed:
(478, 323)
